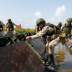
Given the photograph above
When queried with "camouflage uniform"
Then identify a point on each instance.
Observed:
(59, 28)
(67, 29)
(1, 29)
(44, 32)
(2, 34)
(64, 35)
(43, 29)
(10, 29)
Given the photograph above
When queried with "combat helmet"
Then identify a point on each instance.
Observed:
(68, 22)
(40, 21)
(59, 25)
(67, 27)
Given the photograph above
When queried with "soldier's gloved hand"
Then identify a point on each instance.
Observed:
(28, 38)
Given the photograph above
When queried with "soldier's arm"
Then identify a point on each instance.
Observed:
(54, 42)
(40, 33)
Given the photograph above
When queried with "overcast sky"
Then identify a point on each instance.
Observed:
(26, 12)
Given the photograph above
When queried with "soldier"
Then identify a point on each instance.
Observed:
(44, 31)
(65, 33)
(59, 28)
(67, 28)
(65, 41)
(1, 29)
(65, 36)
(10, 29)
(2, 35)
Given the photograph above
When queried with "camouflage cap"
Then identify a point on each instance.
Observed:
(40, 21)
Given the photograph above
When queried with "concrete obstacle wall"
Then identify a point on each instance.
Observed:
(19, 58)
(38, 45)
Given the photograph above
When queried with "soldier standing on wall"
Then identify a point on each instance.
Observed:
(10, 29)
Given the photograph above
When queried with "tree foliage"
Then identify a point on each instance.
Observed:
(26, 31)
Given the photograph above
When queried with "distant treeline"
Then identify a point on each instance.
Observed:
(26, 31)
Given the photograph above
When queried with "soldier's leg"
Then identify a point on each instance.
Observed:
(52, 59)
(51, 56)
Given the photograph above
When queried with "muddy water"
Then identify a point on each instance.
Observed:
(66, 64)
